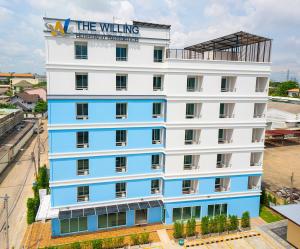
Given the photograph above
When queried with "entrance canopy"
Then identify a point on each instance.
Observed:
(66, 214)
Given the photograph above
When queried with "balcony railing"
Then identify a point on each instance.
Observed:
(259, 115)
(187, 191)
(183, 54)
(255, 164)
(226, 115)
(223, 164)
(121, 194)
(81, 198)
(155, 190)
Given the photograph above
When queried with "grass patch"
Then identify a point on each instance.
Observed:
(268, 215)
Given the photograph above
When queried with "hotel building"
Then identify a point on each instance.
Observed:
(140, 133)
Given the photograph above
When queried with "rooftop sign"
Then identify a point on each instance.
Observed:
(92, 30)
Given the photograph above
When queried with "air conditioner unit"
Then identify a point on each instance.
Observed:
(156, 191)
(123, 169)
(123, 194)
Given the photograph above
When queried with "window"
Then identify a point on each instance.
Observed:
(217, 209)
(190, 111)
(186, 213)
(192, 137)
(156, 161)
(157, 83)
(225, 136)
(81, 80)
(156, 136)
(82, 139)
(228, 84)
(121, 163)
(81, 50)
(82, 111)
(73, 225)
(121, 138)
(191, 84)
(121, 82)
(222, 184)
(188, 161)
(189, 186)
(120, 190)
(121, 110)
(82, 167)
(223, 160)
(121, 52)
(82, 193)
(155, 186)
(111, 220)
(157, 110)
(158, 54)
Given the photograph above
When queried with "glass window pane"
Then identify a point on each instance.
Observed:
(64, 226)
(210, 210)
(176, 214)
(224, 209)
(112, 220)
(73, 225)
(198, 212)
(186, 213)
(82, 223)
(122, 219)
(217, 209)
(155, 159)
(102, 221)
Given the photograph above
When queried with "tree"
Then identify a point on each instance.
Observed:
(284, 86)
(7, 106)
(245, 221)
(41, 106)
(178, 230)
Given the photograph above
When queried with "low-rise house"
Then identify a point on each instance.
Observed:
(21, 86)
(293, 92)
(25, 101)
(283, 115)
(39, 91)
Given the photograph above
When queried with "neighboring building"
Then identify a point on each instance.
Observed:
(21, 86)
(39, 91)
(140, 133)
(9, 118)
(283, 115)
(293, 92)
(25, 101)
(292, 213)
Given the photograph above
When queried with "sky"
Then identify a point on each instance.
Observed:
(192, 21)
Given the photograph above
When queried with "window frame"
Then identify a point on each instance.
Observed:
(85, 195)
(122, 141)
(121, 80)
(122, 57)
(154, 109)
(81, 56)
(69, 225)
(155, 166)
(123, 114)
(83, 109)
(193, 209)
(86, 167)
(121, 193)
(221, 207)
(155, 132)
(156, 189)
(123, 164)
(117, 221)
(156, 55)
(157, 83)
(85, 136)
(80, 83)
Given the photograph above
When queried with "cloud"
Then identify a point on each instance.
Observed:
(192, 21)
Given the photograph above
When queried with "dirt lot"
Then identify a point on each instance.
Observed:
(279, 164)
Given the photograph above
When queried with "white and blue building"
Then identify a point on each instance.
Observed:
(140, 133)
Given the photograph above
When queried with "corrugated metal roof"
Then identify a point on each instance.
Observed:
(291, 212)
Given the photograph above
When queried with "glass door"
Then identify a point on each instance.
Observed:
(141, 216)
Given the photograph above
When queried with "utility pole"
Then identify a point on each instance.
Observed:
(39, 143)
(5, 198)
(34, 164)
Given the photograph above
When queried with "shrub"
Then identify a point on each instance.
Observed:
(205, 225)
(191, 227)
(97, 244)
(144, 238)
(222, 223)
(32, 207)
(75, 245)
(245, 221)
(135, 240)
(43, 178)
(233, 223)
(270, 199)
(178, 230)
(213, 224)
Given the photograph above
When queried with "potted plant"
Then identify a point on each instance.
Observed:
(205, 226)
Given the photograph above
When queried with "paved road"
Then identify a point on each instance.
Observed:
(16, 181)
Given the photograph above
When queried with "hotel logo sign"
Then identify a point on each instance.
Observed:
(92, 30)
